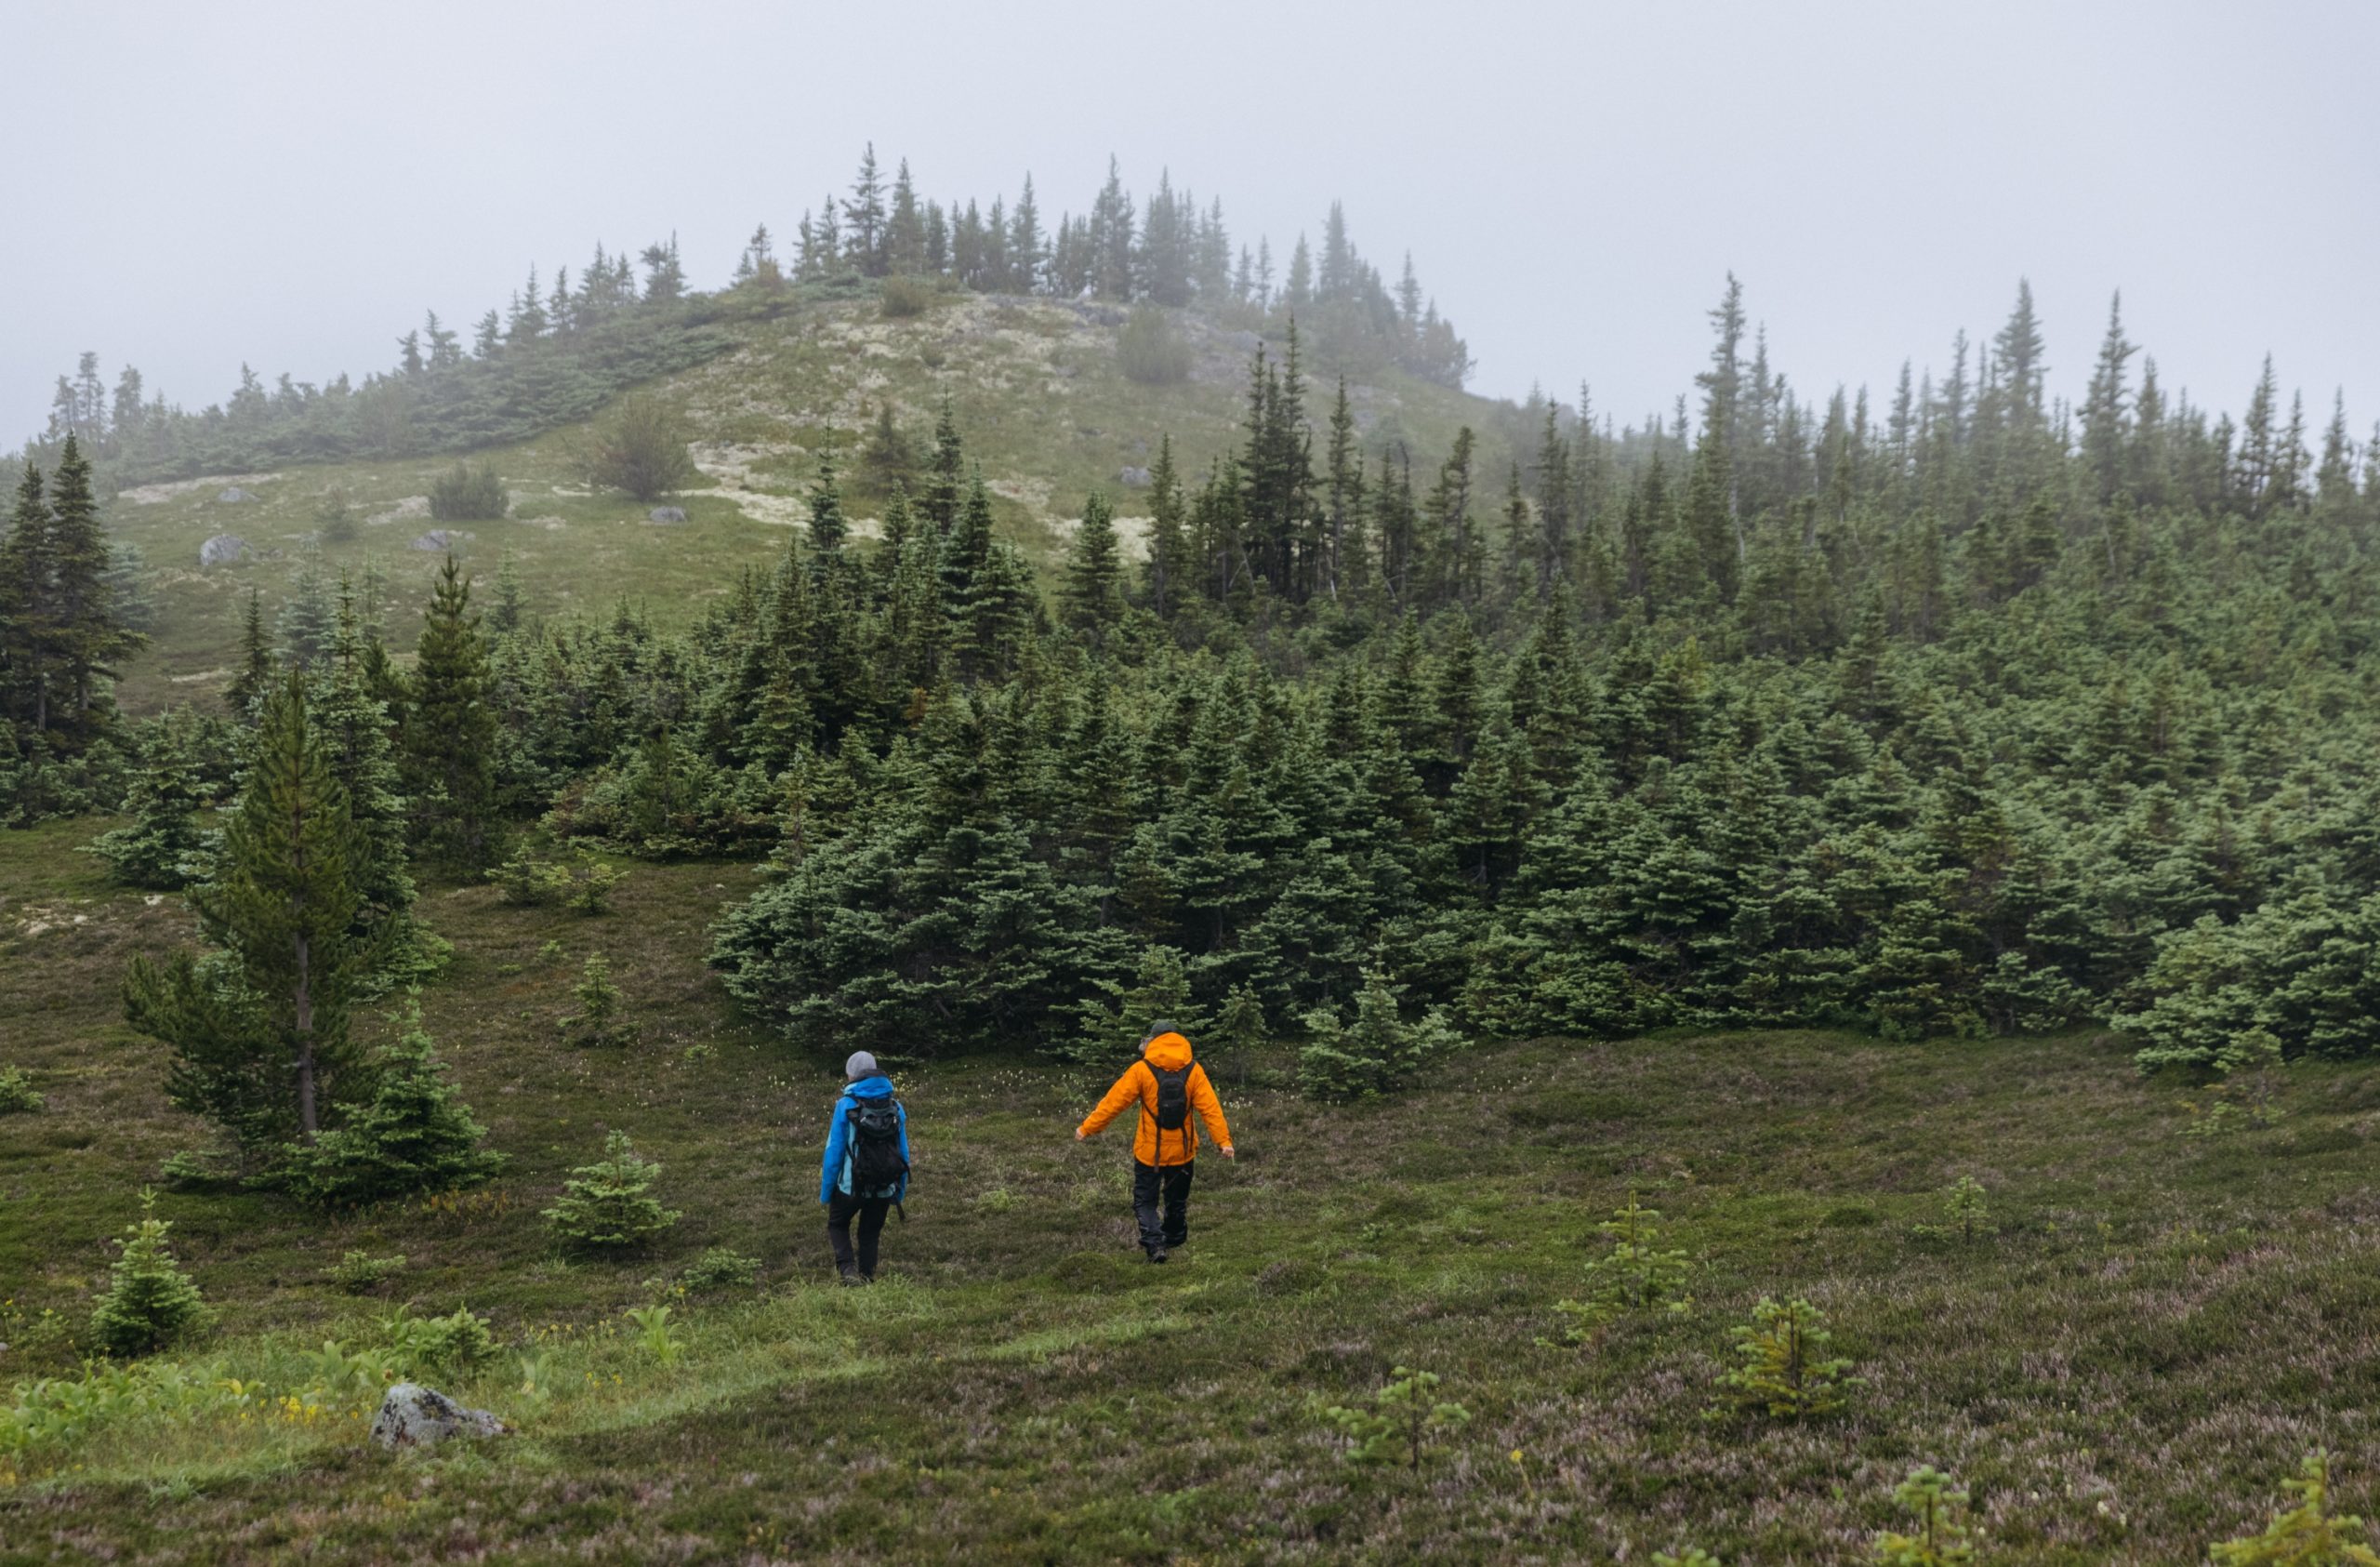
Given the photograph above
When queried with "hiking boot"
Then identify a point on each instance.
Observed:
(849, 1276)
(1156, 1254)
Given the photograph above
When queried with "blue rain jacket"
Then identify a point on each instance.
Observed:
(835, 1170)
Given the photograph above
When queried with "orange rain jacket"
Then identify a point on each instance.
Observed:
(1168, 1051)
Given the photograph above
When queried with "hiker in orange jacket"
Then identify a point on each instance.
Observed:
(1167, 1085)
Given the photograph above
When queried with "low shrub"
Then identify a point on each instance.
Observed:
(641, 449)
(906, 295)
(1150, 351)
(17, 1095)
(200, 1171)
(467, 493)
(450, 1346)
(720, 1267)
(580, 881)
(359, 1272)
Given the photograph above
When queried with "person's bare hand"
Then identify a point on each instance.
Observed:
(1080, 1134)
(1230, 1152)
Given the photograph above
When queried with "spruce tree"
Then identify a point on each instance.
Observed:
(80, 613)
(1121, 1016)
(259, 1028)
(358, 737)
(449, 736)
(308, 619)
(1379, 1053)
(1092, 595)
(415, 1134)
(162, 847)
(1170, 568)
(609, 1205)
(27, 642)
(150, 1301)
(254, 677)
(2307, 1534)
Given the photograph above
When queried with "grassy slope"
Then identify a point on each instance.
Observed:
(1039, 396)
(2159, 1329)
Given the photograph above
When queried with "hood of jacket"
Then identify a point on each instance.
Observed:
(875, 1086)
(1167, 1052)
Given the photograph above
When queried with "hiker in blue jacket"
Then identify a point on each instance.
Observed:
(866, 1171)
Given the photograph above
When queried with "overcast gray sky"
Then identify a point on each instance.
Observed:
(292, 184)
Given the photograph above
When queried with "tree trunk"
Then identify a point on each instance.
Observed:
(306, 1119)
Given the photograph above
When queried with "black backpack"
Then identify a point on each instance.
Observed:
(1173, 1099)
(876, 1164)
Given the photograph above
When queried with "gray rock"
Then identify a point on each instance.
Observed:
(235, 495)
(437, 541)
(224, 549)
(1133, 478)
(412, 1415)
(666, 514)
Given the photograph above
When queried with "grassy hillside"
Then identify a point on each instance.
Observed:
(1036, 385)
(2159, 1327)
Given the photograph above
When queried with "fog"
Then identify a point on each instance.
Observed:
(293, 185)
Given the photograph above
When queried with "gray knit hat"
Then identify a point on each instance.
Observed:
(859, 1066)
(1162, 1025)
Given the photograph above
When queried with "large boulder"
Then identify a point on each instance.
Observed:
(438, 541)
(412, 1415)
(235, 495)
(1133, 478)
(224, 549)
(666, 514)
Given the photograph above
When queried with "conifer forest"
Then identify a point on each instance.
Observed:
(1797, 974)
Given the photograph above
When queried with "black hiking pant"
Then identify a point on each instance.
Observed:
(871, 1211)
(1169, 1184)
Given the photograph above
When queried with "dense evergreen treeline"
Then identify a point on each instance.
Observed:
(1990, 717)
(563, 347)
